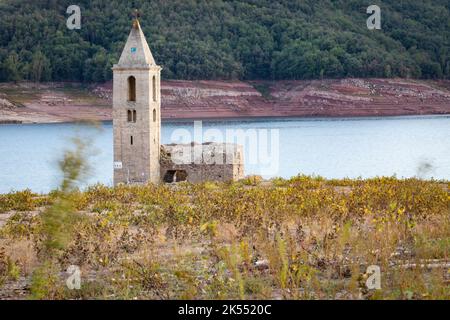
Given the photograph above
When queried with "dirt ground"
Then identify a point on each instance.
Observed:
(70, 102)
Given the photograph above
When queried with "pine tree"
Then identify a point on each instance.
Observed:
(11, 68)
(40, 67)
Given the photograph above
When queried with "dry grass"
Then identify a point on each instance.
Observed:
(303, 238)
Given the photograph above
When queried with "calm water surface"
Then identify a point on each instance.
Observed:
(333, 148)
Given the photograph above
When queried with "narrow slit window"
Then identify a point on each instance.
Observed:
(129, 116)
(154, 88)
(154, 115)
(131, 88)
(131, 140)
(134, 115)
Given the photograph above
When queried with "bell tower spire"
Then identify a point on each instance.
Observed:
(136, 111)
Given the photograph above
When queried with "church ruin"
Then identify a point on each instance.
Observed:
(139, 156)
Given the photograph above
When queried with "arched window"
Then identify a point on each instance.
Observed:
(154, 88)
(131, 88)
(154, 115)
(131, 115)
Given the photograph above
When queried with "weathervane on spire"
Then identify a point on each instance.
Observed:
(136, 15)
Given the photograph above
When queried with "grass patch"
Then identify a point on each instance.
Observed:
(298, 238)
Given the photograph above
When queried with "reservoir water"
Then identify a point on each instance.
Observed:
(332, 148)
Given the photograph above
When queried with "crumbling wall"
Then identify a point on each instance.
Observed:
(196, 173)
(198, 163)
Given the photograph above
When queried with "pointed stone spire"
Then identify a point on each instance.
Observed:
(136, 53)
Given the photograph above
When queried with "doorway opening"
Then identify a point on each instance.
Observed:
(175, 176)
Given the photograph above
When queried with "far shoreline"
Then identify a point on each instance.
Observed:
(249, 119)
(208, 100)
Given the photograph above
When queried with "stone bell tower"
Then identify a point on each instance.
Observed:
(136, 112)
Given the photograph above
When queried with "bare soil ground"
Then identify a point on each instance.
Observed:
(48, 103)
(62, 102)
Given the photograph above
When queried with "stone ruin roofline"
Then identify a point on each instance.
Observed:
(209, 149)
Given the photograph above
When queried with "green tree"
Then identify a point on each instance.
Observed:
(40, 67)
(11, 68)
(234, 39)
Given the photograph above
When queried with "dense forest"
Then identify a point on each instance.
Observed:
(228, 39)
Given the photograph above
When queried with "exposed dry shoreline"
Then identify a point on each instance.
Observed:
(70, 102)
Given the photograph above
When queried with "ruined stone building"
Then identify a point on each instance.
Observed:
(200, 162)
(138, 154)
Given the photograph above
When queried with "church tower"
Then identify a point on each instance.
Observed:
(136, 112)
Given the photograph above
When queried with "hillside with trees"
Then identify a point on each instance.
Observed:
(235, 39)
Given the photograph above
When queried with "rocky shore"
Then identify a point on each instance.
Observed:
(69, 102)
